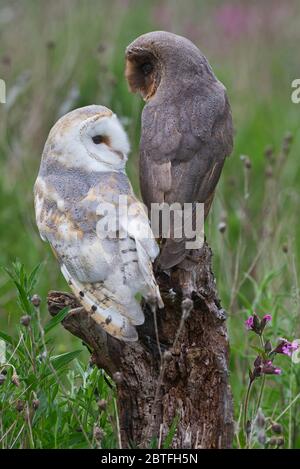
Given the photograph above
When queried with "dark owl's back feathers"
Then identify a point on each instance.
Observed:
(186, 129)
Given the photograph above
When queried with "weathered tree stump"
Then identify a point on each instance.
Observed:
(185, 378)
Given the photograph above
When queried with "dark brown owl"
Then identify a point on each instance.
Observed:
(186, 125)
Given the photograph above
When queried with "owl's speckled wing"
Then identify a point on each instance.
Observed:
(182, 151)
(104, 273)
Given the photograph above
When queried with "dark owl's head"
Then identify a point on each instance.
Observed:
(160, 56)
(143, 71)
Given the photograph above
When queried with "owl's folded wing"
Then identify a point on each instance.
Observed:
(182, 152)
(138, 228)
(72, 234)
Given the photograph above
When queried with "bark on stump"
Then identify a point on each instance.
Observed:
(190, 382)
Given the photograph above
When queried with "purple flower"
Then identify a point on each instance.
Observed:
(264, 321)
(253, 323)
(249, 323)
(269, 369)
(264, 367)
(286, 348)
(267, 318)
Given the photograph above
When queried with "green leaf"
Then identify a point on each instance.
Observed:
(171, 432)
(59, 361)
(260, 351)
(33, 277)
(268, 278)
(246, 302)
(56, 320)
(153, 443)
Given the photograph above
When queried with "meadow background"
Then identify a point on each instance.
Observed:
(56, 56)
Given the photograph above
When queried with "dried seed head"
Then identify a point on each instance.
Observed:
(35, 300)
(269, 153)
(248, 427)
(261, 437)
(246, 160)
(2, 379)
(247, 163)
(269, 171)
(277, 428)
(25, 320)
(280, 441)
(260, 419)
(286, 144)
(15, 379)
(273, 441)
(35, 404)
(98, 433)
(222, 227)
(20, 405)
(118, 377)
(102, 404)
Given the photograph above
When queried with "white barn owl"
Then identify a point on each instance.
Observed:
(82, 168)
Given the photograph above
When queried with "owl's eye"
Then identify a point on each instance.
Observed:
(147, 68)
(98, 139)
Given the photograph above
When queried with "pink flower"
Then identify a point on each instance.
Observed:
(286, 348)
(249, 323)
(267, 318)
(264, 367)
(269, 369)
(253, 323)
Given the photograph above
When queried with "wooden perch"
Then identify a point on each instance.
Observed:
(185, 380)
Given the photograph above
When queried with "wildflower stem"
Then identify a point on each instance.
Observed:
(246, 404)
(3, 365)
(261, 391)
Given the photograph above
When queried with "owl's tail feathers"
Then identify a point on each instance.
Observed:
(111, 316)
(145, 265)
(172, 253)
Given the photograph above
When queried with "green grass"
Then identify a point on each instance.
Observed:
(46, 403)
(80, 46)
